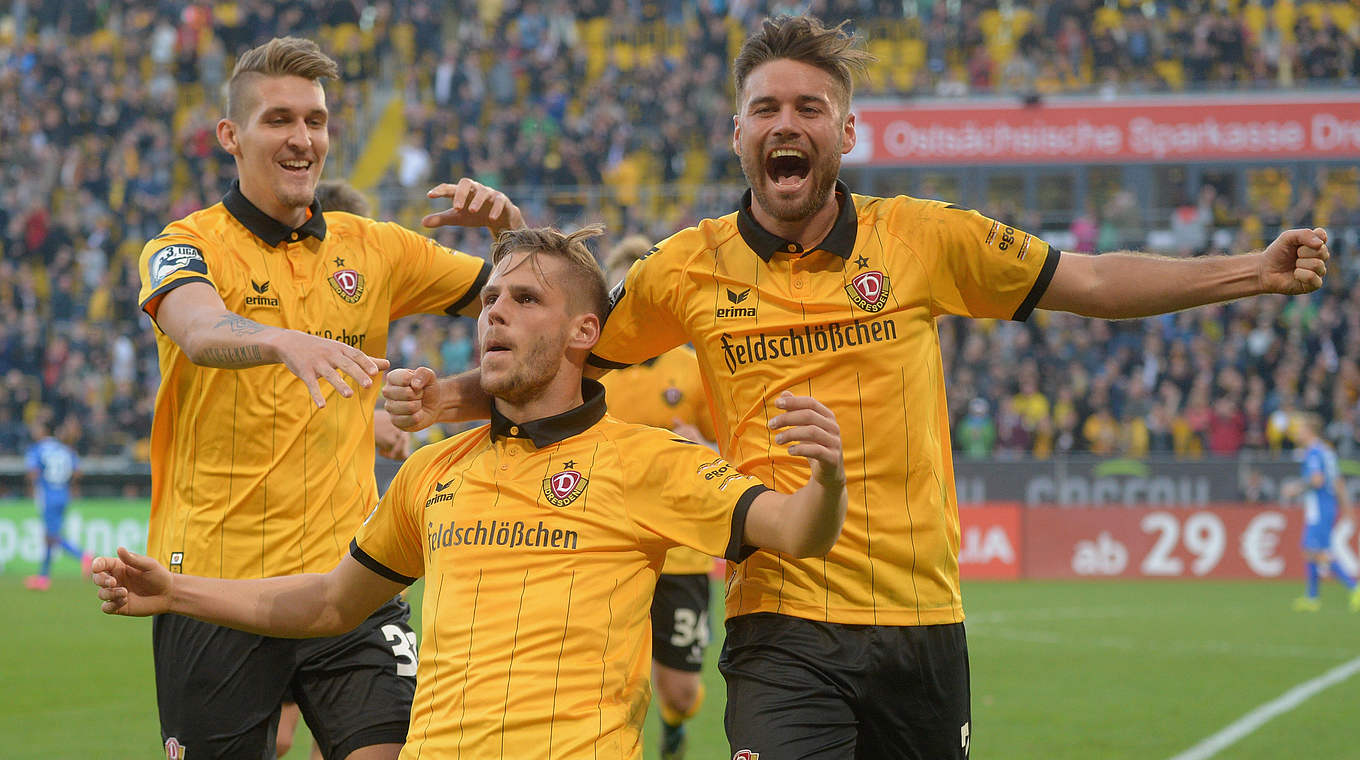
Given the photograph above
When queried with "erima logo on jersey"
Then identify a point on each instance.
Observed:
(735, 297)
(261, 299)
(562, 488)
(173, 258)
(439, 495)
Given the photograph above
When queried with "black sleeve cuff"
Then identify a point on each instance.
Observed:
(596, 361)
(1040, 285)
(166, 288)
(474, 290)
(737, 551)
(376, 566)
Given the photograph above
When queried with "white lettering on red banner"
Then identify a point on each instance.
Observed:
(1100, 131)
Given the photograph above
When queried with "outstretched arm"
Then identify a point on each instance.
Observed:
(292, 606)
(807, 522)
(1129, 285)
(196, 319)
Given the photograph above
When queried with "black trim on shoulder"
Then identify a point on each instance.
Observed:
(596, 361)
(474, 290)
(376, 566)
(737, 550)
(266, 227)
(1040, 285)
(686, 441)
(765, 244)
(169, 286)
(559, 427)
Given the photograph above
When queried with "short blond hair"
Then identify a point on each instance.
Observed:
(279, 57)
(587, 288)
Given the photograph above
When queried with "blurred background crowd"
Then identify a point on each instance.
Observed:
(620, 111)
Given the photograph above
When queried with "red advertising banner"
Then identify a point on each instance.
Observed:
(1215, 542)
(990, 538)
(1210, 128)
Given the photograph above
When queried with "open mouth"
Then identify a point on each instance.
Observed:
(296, 166)
(787, 167)
(495, 347)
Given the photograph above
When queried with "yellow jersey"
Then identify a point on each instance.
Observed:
(540, 543)
(657, 392)
(249, 479)
(850, 322)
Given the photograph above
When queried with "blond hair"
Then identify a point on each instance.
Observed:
(338, 195)
(587, 287)
(279, 57)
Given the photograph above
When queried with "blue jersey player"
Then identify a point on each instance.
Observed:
(52, 467)
(1324, 495)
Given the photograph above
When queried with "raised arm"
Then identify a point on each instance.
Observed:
(194, 316)
(291, 606)
(807, 522)
(1129, 285)
(472, 204)
(416, 398)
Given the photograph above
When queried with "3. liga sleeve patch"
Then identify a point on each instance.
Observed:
(173, 258)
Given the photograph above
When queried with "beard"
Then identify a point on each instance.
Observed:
(823, 172)
(530, 375)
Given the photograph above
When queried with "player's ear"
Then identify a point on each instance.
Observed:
(226, 137)
(585, 331)
(736, 133)
(849, 142)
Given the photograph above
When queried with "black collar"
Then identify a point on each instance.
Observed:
(550, 430)
(840, 240)
(266, 227)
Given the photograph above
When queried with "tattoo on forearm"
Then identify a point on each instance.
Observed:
(230, 358)
(239, 325)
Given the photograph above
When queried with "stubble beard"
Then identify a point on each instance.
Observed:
(826, 169)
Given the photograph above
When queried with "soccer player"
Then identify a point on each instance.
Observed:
(809, 286)
(1324, 495)
(666, 392)
(540, 535)
(259, 468)
(52, 470)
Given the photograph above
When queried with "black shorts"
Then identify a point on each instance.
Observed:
(219, 690)
(680, 621)
(799, 689)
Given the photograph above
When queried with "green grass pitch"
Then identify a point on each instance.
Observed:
(1110, 670)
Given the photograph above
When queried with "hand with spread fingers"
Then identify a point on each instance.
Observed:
(472, 204)
(313, 359)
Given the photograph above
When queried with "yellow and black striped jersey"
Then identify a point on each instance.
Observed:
(850, 322)
(249, 478)
(658, 392)
(540, 543)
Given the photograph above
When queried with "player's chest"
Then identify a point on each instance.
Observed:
(514, 505)
(794, 311)
(317, 288)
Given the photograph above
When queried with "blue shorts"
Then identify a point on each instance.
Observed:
(54, 514)
(1317, 537)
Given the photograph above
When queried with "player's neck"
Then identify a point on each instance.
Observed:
(806, 232)
(289, 216)
(561, 395)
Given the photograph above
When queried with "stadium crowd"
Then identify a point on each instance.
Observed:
(619, 110)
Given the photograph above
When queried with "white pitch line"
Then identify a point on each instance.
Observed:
(1258, 717)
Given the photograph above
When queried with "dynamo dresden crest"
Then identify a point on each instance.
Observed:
(562, 488)
(348, 284)
(869, 290)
